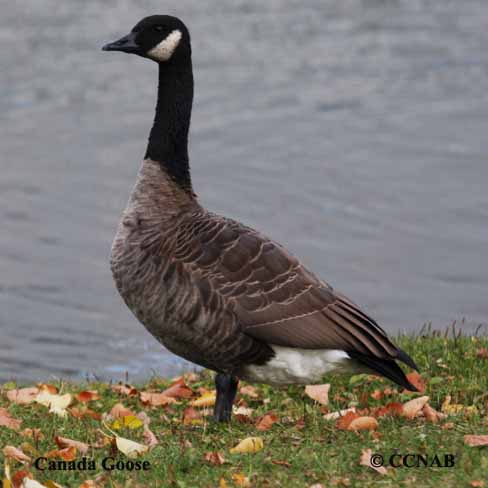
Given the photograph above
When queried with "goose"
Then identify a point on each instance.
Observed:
(212, 290)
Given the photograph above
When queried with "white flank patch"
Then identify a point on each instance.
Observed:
(165, 49)
(304, 366)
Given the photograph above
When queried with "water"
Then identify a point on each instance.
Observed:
(353, 132)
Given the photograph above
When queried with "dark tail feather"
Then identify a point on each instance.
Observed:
(385, 367)
(404, 357)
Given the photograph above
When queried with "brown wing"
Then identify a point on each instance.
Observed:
(275, 299)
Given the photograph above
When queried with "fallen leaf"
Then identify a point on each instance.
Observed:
(476, 440)
(214, 458)
(416, 381)
(340, 413)
(192, 377)
(448, 426)
(130, 448)
(29, 483)
(125, 389)
(118, 411)
(84, 411)
(240, 480)
(63, 442)
(149, 438)
(482, 353)
(286, 464)
(344, 421)
(477, 484)
(319, 393)
(156, 399)
(129, 421)
(206, 400)
(377, 395)
(87, 396)
(249, 390)
(266, 421)
(179, 389)
(35, 434)
(47, 387)
(67, 454)
(52, 484)
(192, 417)
(7, 420)
(23, 396)
(18, 477)
(363, 423)
(222, 483)
(432, 415)
(413, 407)
(89, 484)
(57, 404)
(365, 460)
(15, 453)
(393, 409)
(244, 411)
(248, 445)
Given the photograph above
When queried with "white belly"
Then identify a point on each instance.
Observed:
(303, 366)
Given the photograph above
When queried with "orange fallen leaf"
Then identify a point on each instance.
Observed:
(344, 421)
(416, 381)
(249, 390)
(15, 453)
(206, 400)
(377, 395)
(448, 426)
(393, 409)
(286, 464)
(23, 396)
(89, 484)
(477, 484)
(191, 416)
(476, 440)
(7, 420)
(149, 438)
(49, 388)
(67, 454)
(125, 389)
(63, 442)
(365, 460)
(118, 411)
(413, 407)
(87, 396)
(432, 415)
(18, 477)
(363, 423)
(319, 393)
(156, 399)
(178, 389)
(84, 411)
(266, 421)
(214, 458)
(340, 413)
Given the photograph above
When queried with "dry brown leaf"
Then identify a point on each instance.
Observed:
(67, 454)
(149, 438)
(476, 440)
(87, 396)
(482, 353)
(118, 411)
(477, 484)
(413, 407)
(363, 423)
(6, 420)
(377, 395)
(23, 396)
(156, 399)
(448, 426)
(18, 477)
(178, 389)
(344, 421)
(191, 377)
(47, 387)
(432, 415)
(124, 389)
(206, 400)
(89, 484)
(365, 460)
(249, 390)
(248, 445)
(192, 417)
(393, 409)
(319, 393)
(84, 411)
(286, 464)
(35, 434)
(63, 442)
(416, 381)
(266, 421)
(214, 458)
(15, 453)
(340, 413)
(240, 480)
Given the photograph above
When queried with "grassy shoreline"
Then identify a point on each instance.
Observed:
(301, 448)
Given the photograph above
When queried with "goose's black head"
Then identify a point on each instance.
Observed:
(162, 38)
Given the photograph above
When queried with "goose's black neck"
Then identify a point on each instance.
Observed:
(168, 140)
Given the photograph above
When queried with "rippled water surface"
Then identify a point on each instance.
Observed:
(353, 132)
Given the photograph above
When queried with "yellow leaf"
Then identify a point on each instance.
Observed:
(6, 483)
(248, 445)
(130, 448)
(240, 480)
(206, 400)
(130, 421)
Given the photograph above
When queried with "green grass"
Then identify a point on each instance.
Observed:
(317, 453)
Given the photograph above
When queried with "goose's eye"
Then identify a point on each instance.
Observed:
(159, 28)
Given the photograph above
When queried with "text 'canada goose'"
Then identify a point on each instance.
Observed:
(211, 289)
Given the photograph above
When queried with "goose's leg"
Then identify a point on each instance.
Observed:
(226, 386)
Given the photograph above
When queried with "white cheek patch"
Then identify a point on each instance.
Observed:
(165, 49)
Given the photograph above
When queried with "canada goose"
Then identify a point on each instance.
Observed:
(212, 290)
